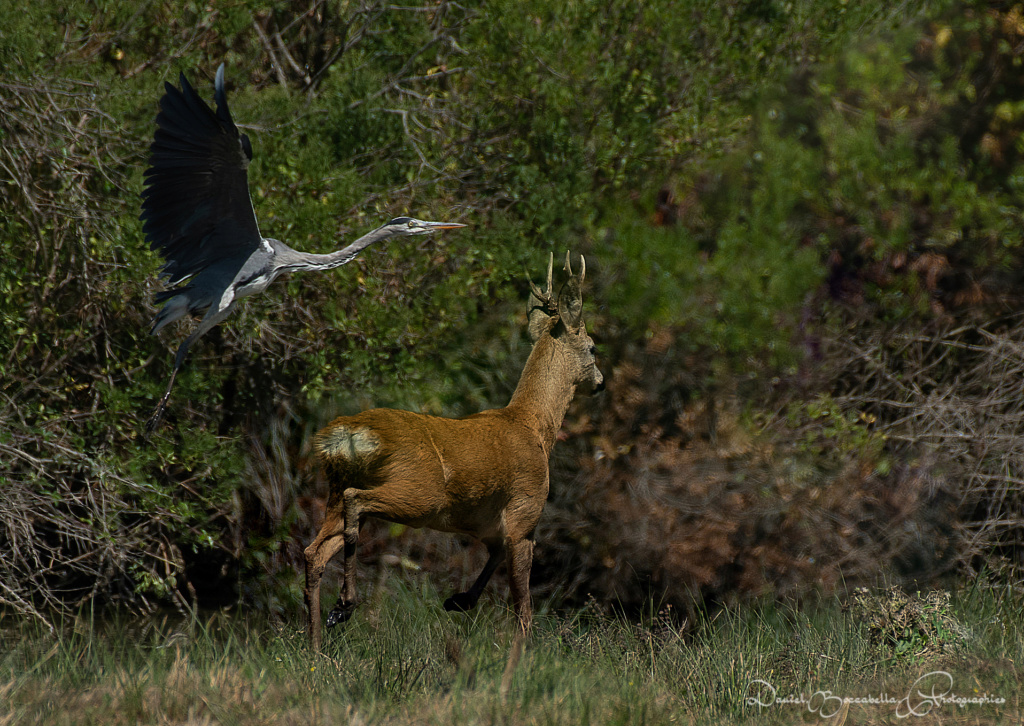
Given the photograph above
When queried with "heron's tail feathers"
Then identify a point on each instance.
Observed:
(175, 308)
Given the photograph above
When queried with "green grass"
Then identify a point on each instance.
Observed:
(403, 660)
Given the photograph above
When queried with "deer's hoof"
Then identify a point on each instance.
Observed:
(341, 613)
(460, 602)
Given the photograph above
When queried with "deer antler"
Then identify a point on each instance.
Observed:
(545, 298)
(583, 266)
(570, 297)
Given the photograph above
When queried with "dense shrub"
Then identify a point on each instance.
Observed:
(770, 196)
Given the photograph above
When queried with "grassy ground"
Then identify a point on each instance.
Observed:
(403, 660)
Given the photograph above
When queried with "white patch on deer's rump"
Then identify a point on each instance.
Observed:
(352, 445)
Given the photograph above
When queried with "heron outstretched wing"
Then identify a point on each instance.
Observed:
(196, 208)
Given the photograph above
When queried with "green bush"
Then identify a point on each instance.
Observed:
(742, 175)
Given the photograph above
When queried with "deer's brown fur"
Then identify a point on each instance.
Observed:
(485, 475)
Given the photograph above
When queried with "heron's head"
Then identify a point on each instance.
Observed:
(406, 226)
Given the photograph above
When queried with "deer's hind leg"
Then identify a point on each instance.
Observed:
(348, 601)
(326, 544)
(390, 502)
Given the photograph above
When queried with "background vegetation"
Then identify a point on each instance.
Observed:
(803, 228)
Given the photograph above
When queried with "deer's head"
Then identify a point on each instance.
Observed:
(562, 318)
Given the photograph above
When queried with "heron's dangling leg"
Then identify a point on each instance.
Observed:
(158, 412)
(211, 318)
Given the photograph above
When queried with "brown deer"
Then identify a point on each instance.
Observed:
(485, 475)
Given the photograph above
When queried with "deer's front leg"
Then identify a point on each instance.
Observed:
(463, 601)
(520, 560)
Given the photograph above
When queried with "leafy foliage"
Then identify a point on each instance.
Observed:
(750, 182)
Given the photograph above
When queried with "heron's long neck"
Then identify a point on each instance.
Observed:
(308, 261)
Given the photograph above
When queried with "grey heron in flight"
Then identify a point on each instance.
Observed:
(197, 213)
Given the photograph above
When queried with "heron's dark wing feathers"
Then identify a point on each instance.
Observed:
(196, 209)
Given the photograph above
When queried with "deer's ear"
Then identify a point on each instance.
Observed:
(570, 304)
